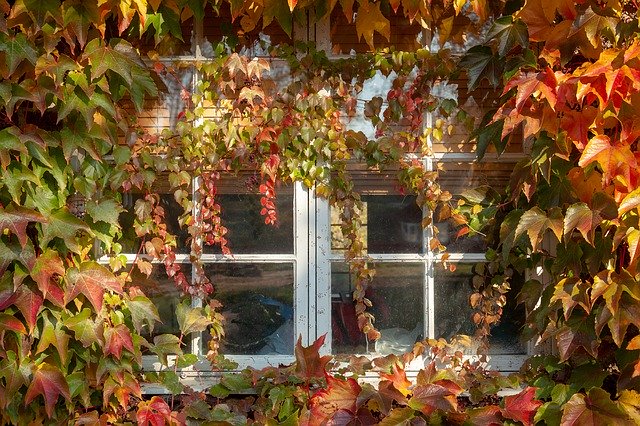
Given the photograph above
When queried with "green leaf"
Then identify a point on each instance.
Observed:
(191, 320)
(143, 311)
(86, 330)
(12, 251)
(105, 209)
(279, 10)
(91, 280)
(16, 50)
(481, 63)
(488, 135)
(9, 141)
(103, 58)
(166, 344)
(509, 33)
(54, 335)
(16, 218)
(49, 382)
(79, 15)
(65, 226)
(186, 360)
(535, 223)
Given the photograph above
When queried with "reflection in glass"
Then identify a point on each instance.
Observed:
(164, 294)
(453, 312)
(172, 211)
(392, 224)
(257, 304)
(247, 232)
(397, 298)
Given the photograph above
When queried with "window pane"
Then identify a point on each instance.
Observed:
(257, 305)
(247, 232)
(392, 224)
(453, 311)
(164, 294)
(397, 298)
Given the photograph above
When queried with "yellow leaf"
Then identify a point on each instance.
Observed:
(370, 19)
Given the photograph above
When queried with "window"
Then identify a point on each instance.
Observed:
(291, 280)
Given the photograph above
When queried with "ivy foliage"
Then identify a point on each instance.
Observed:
(73, 81)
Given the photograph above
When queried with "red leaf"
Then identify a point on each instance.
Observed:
(116, 338)
(309, 363)
(46, 268)
(29, 304)
(153, 413)
(16, 218)
(9, 322)
(49, 382)
(91, 280)
(522, 407)
(529, 84)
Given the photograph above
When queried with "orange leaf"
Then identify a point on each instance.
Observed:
(370, 19)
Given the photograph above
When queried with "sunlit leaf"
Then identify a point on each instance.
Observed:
(91, 280)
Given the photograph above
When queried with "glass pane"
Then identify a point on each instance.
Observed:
(397, 298)
(172, 210)
(164, 293)
(257, 305)
(453, 312)
(392, 224)
(247, 232)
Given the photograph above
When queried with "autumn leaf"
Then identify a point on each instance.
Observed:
(535, 223)
(338, 395)
(16, 218)
(47, 270)
(522, 407)
(629, 202)
(116, 338)
(430, 397)
(579, 216)
(49, 382)
(91, 280)
(399, 379)
(578, 125)
(11, 323)
(29, 303)
(542, 85)
(371, 20)
(593, 409)
(578, 332)
(191, 319)
(309, 364)
(594, 25)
